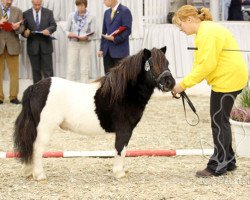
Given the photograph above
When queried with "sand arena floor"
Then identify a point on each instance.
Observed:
(162, 127)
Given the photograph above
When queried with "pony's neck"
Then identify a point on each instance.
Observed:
(141, 91)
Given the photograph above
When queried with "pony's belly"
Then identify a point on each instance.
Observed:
(84, 122)
(83, 128)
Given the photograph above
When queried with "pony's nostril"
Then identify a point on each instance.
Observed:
(168, 83)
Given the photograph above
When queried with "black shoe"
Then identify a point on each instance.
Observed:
(205, 173)
(1, 102)
(231, 168)
(15, 101)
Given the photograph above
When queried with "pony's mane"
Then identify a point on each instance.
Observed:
(127, 71)
(115, 82)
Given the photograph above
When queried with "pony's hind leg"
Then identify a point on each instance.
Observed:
(28, 170)
(44, 132)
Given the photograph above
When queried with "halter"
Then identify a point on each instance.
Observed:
(148, 65)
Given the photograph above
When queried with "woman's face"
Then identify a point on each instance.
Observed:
(81, 8)
(186, 26)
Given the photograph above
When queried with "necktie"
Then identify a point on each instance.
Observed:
(37, 22)
(112, 13)
(5, 15)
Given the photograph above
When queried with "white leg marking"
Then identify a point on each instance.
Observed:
(118, 167)
(43, 136)
(27, 170)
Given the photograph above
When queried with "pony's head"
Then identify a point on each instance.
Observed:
(148, 68)
(156, 69)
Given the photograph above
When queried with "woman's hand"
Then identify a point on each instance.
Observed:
(177, 89)
(72, 35)
(83, 38)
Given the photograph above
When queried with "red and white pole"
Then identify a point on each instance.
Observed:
(129, 153)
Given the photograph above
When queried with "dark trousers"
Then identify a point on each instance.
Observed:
(220, 107)
(42, 66)
(109, 62)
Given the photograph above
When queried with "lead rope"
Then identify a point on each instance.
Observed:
(184, 96)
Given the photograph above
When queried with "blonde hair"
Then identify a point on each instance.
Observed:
(186, 11)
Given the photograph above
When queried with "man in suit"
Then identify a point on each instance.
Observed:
(114, 48)
(40, 24)
(10, 48)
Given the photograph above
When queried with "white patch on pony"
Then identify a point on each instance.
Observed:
(71, 105)
(118, 167)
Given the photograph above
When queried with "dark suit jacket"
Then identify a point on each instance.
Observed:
(234, 12)
(38, 43)
(120, 47)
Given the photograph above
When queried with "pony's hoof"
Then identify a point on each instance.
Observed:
(120, 174)
(29, 178)
(28, 174)
(40, 177)
(27, 171)
(43, 181)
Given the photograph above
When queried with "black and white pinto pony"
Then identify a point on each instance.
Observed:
(114, 103)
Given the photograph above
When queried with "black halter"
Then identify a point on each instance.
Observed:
(148, 66)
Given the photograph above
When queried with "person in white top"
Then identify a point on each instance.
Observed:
(80, 30)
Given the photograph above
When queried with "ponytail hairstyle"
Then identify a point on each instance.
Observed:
(186, 11)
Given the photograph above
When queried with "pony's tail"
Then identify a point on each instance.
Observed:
(25, 128)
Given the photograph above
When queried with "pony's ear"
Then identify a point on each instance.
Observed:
(164, 49)
(147, 54)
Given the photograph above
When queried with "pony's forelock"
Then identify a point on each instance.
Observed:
(159, 60)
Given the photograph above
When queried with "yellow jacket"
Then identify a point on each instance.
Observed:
(225, 71)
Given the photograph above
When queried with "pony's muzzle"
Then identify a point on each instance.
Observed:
(166, 83)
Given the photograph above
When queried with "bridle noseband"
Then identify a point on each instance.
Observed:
(148, 66)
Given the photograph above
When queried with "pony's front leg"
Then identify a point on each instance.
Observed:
(121, 141)
(118, 167)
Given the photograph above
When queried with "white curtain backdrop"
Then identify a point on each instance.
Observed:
(156, 11)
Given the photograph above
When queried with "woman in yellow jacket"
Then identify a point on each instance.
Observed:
(225, 71)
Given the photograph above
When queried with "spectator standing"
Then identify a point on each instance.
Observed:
(114, 48)
(235, 13)
(80, 29)
(39, 24)
(10, 48)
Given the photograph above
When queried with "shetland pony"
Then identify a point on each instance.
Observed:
(114, 103)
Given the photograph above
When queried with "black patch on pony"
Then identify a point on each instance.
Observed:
(124, 93)
(33, 102)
